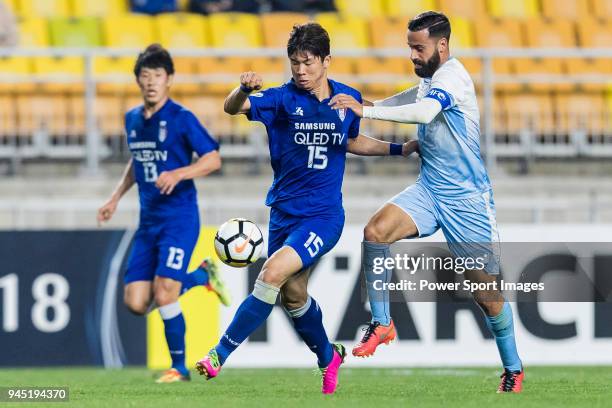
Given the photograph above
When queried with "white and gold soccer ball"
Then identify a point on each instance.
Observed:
(238, 242)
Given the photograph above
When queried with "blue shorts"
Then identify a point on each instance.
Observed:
(163, 249)
(468, 224)
(311, 237)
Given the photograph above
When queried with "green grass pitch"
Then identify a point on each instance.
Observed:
(416, 387)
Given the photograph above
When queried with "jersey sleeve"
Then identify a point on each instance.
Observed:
(446, 88)
(197, 136)
(264, 106)
(353, 131)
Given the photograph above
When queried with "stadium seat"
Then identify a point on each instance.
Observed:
(110, 111)
(33, 32)
(182, 30)
(15, 68)
(565, 9)
(81, 8)
(362, 8)
(345, 32)
(595, 33)
(73, 32)
(62, 68)
(42, 112)
(223, 73)
(502, 33)
(513, 8)
(544, 67)
(472, 10)
(44, 8)
(581, 111)
(408, 8)
(116, 74)
(389, 32)
(595, 68)
(342, 69)
(235, 30)
(274, 71)
(8, 118)
(277, 26)
(602, 9)
(462, 33)
(550, 33)
(530, 112)
(389, 72)
(137, 31)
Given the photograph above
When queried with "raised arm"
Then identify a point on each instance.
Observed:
(238, 100)
(402, 98)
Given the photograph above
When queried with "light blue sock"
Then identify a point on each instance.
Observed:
(199, 277)
(379, 299)
(502, 327)
(174, 328)
(253, 311)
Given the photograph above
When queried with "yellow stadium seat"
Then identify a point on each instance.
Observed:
(408, 8)
(533, 112)
(182, 30)
(462, 33)
(44, 8)
(117, 71)
(75, 32)
(19, 68)
(388, 71)
(594, 33)
(550, 33)
(274, 71)
(345, 32)
(513, 8)
(581, 111)
(8, 117)
(12, 6)
(389, 32)
(277, 26)
(135, 30)
(361, 8)
(469, 9)
(594, 67)
(63, 68)
(47, 112)
(110, 111)
(224, 73)
(602, 9)
(565, 9)
(82, 8)
(33, 32)
(235, 30)
(543, 67)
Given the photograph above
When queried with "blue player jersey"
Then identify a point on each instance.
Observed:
(307, 141)
(165, 141)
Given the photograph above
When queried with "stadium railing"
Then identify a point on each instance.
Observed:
(523, 137)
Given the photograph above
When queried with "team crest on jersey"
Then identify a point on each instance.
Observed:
(341, 114)
(163, 132)
(133, 133)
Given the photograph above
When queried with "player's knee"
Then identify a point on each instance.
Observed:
(373, 232)
(272, 273)
(136, 306)
(164, 296)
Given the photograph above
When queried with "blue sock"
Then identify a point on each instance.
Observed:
(308, 322)
(196, 278)
(379, 299)
(253, 311)
(502, 327)
(174, 328)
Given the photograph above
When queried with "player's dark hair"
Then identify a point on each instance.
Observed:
(154, 56)
(436, 23)
(309, 37)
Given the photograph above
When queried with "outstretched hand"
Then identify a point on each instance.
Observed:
(344, 101)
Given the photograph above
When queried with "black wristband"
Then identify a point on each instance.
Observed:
(395, 149)
(245, 89)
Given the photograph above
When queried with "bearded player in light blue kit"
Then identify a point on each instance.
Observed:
(452, 193)
(163, 137)
(308, 144)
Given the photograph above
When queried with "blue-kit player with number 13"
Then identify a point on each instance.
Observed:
(163, 137)
(308, 143)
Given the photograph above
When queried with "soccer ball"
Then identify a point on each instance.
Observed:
(238, 242)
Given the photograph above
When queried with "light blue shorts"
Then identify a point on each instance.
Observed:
(468, 224)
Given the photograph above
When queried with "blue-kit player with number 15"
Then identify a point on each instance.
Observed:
(308, 143)
(162, 137)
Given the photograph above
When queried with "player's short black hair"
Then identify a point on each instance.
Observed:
(308, 37)
(436, 23)
(154, 56)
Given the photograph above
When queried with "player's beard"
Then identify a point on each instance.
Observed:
(429, 67)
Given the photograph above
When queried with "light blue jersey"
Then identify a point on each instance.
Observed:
(452, 166)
